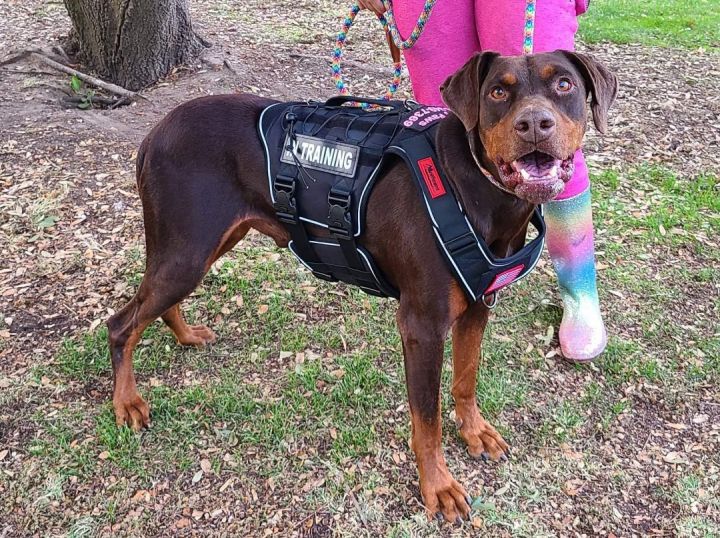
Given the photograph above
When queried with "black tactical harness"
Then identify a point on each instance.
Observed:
(322, 162)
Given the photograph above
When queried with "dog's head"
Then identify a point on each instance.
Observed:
(529, 113)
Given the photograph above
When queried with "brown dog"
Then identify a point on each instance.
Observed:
(202, 179)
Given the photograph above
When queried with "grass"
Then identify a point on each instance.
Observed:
(307, 380)
(664, 23)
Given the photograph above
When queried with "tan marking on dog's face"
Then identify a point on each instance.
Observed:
(570, 133)
(547, 71)
(509, 79)
(499, 140)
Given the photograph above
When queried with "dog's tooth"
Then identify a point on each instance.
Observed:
(553, 170)
(524, 173)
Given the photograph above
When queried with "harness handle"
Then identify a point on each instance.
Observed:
(338, 100)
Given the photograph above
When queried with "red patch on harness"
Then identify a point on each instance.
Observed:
(504, 278)
(432, 178)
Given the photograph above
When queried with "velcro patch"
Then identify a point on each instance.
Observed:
(321, 154)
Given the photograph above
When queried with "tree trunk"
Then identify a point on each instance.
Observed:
(134, 43)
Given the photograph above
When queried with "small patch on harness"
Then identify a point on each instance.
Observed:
(504, 279)
(432, 178)
(321, 154)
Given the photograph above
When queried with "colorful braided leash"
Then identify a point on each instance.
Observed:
(529, 32)
(388, 22)
(389, 18)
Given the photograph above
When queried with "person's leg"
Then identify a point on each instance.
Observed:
(446, 43)
(551, 25)
(570, 244)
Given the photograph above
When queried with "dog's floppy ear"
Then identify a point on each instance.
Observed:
(461, 91)
(601, 84)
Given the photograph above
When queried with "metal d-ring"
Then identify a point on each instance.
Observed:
(493, 304)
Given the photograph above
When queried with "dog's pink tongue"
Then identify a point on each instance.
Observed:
(534, 167)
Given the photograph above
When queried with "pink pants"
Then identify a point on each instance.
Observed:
(459, 28)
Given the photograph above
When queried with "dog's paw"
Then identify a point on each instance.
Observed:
(482, 440)
(133, 411)
(444, 496)
(197, 335)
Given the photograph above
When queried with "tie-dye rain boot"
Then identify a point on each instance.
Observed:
(571, 246)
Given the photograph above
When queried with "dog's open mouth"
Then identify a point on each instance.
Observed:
(536, 177)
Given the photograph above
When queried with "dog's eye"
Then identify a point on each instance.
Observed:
(564, 85)
(498, 93)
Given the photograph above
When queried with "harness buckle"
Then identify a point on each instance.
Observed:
(460, 244)
(285, 207)
(339, 220)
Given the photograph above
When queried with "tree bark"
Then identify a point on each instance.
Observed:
(134, 43)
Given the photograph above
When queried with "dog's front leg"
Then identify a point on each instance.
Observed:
(423, 334)
(481, 438)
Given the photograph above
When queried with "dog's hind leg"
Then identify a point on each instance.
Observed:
(200, 335)
(175, 267)
(178, 256)
(166, 282)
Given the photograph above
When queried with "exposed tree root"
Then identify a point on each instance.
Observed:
(51, 57)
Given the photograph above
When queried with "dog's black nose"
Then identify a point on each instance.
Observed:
(535, 125)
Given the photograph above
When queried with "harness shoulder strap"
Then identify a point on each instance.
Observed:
(469, 257)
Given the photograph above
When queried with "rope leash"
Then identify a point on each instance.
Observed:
(389, 25)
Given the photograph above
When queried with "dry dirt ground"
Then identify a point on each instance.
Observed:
(295, 424)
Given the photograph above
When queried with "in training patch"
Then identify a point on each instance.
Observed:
(321, 154)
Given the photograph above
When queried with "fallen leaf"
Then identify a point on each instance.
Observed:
(502, 490)
(572, 487)
(675, 458)
(197, 477)
(262, 309)
(182, 523)
(676, 426)
(206, 466)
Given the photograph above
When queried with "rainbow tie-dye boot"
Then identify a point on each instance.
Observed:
(571, 246)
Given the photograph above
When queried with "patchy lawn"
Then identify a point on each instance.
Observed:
(296, 421)
(665, 23)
